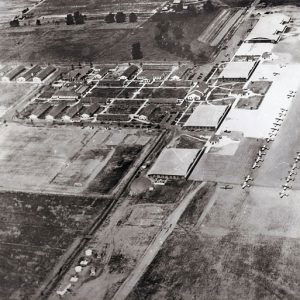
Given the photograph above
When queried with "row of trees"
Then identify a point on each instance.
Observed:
(120, 17)
(77, 18)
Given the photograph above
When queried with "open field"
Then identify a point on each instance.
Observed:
(36, 230)
(42, 159)
(12, 93)
(69, 44)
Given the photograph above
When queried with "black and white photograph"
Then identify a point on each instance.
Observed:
(149, 150)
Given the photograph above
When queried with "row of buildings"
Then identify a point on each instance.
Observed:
(35, 74)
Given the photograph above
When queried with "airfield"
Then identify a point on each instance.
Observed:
(82, 218)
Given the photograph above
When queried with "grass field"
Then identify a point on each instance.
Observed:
(39, 159)
(36, 230)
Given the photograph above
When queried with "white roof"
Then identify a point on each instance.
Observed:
(174, 162)
(267, 27)
(206, 116)
(254, 49)
(237, 69)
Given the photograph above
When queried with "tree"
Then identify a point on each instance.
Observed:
(38, 22)
(78, 17)
(192, 10)
(178, 32)
(132, 17)
(136, 51)
(14, 23)
(120, 17)
(208, 6)
(70, 19)
(110, 18)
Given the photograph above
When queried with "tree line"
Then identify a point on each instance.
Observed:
(120, 17)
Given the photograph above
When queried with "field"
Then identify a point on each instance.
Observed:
(12, 93)
(250, 102)
(36, 230)
(41, 159)
(71, 44)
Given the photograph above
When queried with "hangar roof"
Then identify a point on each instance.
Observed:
(238, 69)
(267, 27)
(206, 116)
(174, 162)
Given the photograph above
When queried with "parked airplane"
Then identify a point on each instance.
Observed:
(245, 185)
(259, 159)
(264, 147)
(283, 194)
(226, 187)
(248, 178)
(255, 165)
(279, 119)
(286, 186)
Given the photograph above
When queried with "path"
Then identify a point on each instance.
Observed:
(155, 246)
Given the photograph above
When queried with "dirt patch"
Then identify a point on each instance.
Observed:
(259, 87)
(252, 102)
(116, 168)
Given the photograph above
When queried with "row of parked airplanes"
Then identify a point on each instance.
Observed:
(291, 177)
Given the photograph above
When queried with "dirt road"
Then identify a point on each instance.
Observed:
(155, 246)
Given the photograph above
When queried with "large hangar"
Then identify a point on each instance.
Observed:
(268, 29)
(175, 163)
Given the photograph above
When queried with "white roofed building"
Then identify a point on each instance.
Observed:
(238, 71)
(206, 117)
(268, 29)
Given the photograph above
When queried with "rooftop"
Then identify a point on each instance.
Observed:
(267, 27)
(238, 69)
(206, 116)
(174, 162)
(254, 49)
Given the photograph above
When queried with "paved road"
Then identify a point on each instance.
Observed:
(155, 246)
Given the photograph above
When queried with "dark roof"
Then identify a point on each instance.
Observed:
(4, 70)
(92, 100)
(45, 72)
(40, 109)
(14, 72)
(31, 72)
(91, 109)
(56, 110)
(130, 71)
(73, 110)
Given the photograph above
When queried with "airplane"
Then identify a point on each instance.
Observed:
(259, 159)
(286, 186)
(264, 147)
(248, 178)
(293, 173)
(277, 124)
(226, 187)
(245, 185)
(283, 109)
(283, 194)
(260, 153)
(289, 178)
(270, 139)
(255, 165)
(294, 166)
(279, 119)
(275, 129)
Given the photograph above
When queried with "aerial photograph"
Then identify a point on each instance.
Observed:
(149, 150)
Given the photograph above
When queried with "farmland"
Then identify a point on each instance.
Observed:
(48, 163)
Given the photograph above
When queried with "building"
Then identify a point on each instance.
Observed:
(4, 70)
(253, 51)
(169, 101)
(150, 75)
(72, 111)
(175, 163)
(129, 72)
(194, 95)
(29, 74)
(268, 29)
(90, 110)
(238, 71)
(82, 90)
(12, 74)
(42, 75)
(40, 110)
(179, 73)
(79, 74)
(55, 111)
(65, 95)
(206, 117)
